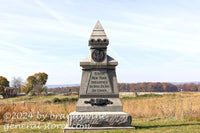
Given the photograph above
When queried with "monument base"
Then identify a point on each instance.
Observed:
(98, 121)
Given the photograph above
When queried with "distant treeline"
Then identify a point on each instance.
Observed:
(147, 87)
(188, 87)
(137, 87)
(157, 87)
(64, 90)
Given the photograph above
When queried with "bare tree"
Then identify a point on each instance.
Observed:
(17, 83)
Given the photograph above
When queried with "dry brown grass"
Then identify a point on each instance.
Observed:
(179, 106)
(34, 108)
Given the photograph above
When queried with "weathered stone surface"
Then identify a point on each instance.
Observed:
(88, 64)
(99, 119)
(98, 36)
(98, 82)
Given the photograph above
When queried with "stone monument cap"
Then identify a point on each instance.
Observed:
(98, 36)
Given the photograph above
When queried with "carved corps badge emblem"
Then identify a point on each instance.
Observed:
(98, 55)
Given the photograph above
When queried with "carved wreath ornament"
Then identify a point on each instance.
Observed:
(99, 102)
(98, 55)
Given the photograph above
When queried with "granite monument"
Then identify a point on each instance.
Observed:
(99, 106)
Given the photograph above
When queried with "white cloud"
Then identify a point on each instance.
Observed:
(20, 48)
(69, 27)
(157, 32)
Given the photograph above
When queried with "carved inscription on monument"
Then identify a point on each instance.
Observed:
(99, 82)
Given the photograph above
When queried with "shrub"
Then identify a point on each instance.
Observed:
(56, 100)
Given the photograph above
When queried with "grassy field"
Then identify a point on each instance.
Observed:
(178, 112)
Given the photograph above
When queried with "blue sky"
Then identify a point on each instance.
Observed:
(152, 40)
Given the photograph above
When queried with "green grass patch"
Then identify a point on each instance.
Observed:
(67, 99)
(148, 96)
(141, 126)
(142, 96)
(126, 97)
(46, 99)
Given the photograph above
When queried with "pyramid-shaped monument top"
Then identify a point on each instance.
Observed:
(98, 36)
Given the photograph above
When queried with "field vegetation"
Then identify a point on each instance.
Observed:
(175, 112)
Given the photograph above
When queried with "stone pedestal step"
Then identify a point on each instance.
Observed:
(98, 119)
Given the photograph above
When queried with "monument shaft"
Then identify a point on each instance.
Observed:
(99, 80)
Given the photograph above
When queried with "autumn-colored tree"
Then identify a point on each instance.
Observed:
(198, 87)
(23, 88)
(35, 83)
(192, 87)
(41, 78)
(4, 82)
(185, 87)
(132, 88)
(164, 87)
(122, 87)
(150, 87)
